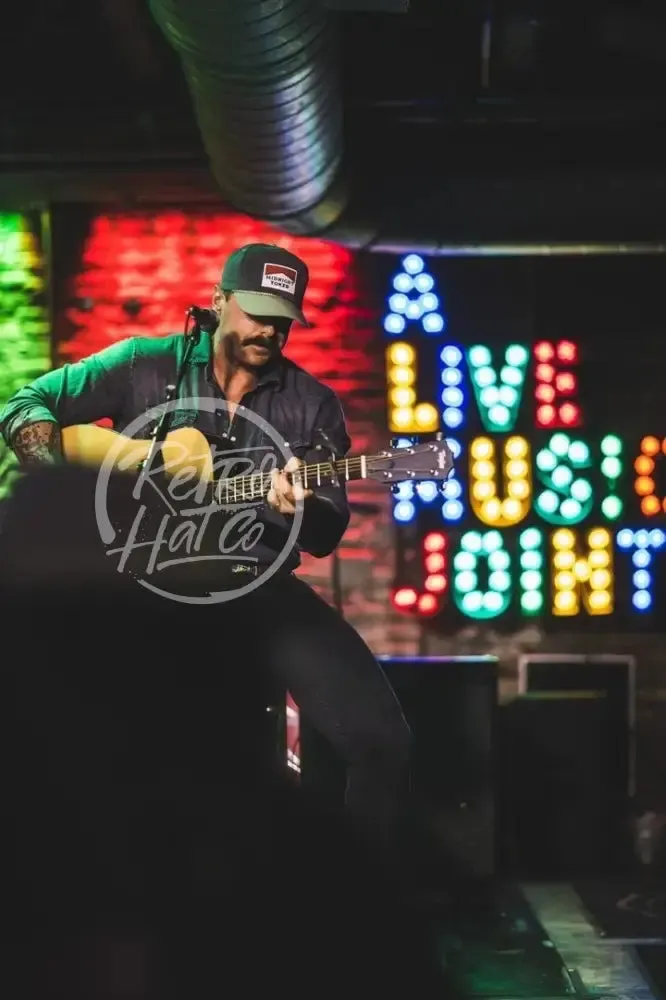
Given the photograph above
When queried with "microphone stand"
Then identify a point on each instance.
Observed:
(192, 334)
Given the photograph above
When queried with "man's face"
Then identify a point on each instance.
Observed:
(252, 342)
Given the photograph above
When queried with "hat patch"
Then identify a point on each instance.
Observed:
(279, 278)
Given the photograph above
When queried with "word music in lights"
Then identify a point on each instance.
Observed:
(539, 517)
(486, 503)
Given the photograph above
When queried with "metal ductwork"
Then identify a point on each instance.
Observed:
(263, 75)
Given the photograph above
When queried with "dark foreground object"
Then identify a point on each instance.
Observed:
(150, 848)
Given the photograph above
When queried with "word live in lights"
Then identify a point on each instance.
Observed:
(533, 520)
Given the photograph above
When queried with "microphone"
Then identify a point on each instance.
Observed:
(206, 319)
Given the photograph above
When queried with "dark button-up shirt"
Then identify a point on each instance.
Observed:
(125, 381)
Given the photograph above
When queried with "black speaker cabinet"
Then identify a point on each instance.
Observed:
(560, 812)
(450, 704)
(615, 676)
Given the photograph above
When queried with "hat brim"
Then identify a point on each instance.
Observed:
(265, 304)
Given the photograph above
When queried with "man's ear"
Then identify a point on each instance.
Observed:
(218, 300)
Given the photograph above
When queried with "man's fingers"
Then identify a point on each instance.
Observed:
(283, 494)
(280, 503)
(296, 490)
(279, 483)
(273, 498)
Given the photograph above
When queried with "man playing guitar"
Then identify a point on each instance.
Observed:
(332, 675)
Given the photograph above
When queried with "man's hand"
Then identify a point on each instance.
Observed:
(283, 494)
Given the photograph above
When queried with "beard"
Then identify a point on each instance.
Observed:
(257, 353)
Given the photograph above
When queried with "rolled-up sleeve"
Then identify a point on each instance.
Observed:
(78, 393)
(326, 514)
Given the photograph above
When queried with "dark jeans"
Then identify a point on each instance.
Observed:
(340, 689)
(123, 691)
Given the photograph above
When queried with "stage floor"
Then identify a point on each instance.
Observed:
(510, 942)
(539, 941)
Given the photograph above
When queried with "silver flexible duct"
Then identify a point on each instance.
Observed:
(263, 78)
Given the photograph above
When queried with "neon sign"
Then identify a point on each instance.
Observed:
(543, 521)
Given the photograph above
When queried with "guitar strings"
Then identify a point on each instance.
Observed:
(258, 484)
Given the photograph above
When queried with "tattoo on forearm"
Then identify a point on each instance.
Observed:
(38, 444)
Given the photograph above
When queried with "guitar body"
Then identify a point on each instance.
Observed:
(185, 451)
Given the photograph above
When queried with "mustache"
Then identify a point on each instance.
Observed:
(270, 344)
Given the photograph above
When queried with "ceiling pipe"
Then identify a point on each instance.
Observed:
(264, 83)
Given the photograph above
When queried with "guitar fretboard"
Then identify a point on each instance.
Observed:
(238, 489)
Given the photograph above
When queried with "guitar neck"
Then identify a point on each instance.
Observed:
(254, 487)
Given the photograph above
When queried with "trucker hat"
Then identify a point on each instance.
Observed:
(267, 281)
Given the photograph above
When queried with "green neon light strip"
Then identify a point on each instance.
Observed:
(612, 466)
(25, 343)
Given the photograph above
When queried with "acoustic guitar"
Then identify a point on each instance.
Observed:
(187, 454)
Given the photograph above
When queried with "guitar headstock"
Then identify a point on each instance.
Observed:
(426, 460)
